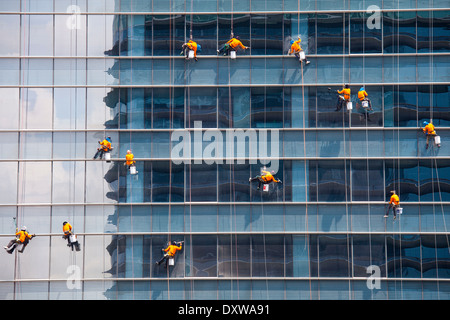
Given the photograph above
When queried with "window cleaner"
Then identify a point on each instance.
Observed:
(130, 162)
(22, 238)
(104, 149)
(394, 204)
(71, 238)
(297, 50)
(363, 97)
(365, 102)
(170, 251)
(431, 133)
(265, 178)
(231, 46)
(190, 49)
(344, 98)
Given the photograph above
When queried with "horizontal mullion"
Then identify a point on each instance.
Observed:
(206, 203)
(177, 57)
(246, 85)
(157, 13)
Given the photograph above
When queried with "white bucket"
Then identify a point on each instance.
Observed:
(233, 54)
(365, 104)
(399, 210)
(437, 139)
(191, 54)
(171, 261)
(108, 156)
(349, 105)
(73, 238)
(133, 170)
(266, 188)
(302, 55)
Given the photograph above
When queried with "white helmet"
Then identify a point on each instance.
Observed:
(23, 228)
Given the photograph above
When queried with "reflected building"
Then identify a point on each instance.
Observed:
(113, 68)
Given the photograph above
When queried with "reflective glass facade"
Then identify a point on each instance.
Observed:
(76, 71)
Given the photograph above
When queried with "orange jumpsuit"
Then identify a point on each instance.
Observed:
(295, 47)
(233, 43)
(67, 229)
(105, 145)
(429, 129)
(172, 249)
(129, 157)
(193, 46)
(346, 92)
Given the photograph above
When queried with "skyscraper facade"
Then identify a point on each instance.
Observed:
(77, 71)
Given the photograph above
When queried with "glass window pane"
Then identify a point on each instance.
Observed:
(10, 34)
(10, 115)
(69, 71)
(70, 34)
(202, 179)
(330, 33)
(101, 259)
(204, 32)
(39, 41)
(37, 72)
(100, 27)
(204, 256)
(69, 108)
(8, 189)
(203, 107)
(334, 256)
(35, 145)
(267, 255)
(68, 182)
(35, 183)
(333, 178)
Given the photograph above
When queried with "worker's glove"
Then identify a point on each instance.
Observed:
(279, 181)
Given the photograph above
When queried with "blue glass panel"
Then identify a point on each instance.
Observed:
(333, 178)
(204, 32)
(332, 218)
(330, 33)
(203, 107)
(441, 34)
(334, 256)
(201, 219)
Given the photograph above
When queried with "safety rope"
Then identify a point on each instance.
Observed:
(170, 163)
(264, 242)
(307, 235)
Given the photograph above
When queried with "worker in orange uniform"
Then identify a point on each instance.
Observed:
(363, 96)
(67, 230)
(22, 237)
(266, 177)
(430, 132)
(343, 99)
(105, 146)
(190, 45)
(129, 159)
(394, 203)
(170, 251)
(232, 45)
(296, 48)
